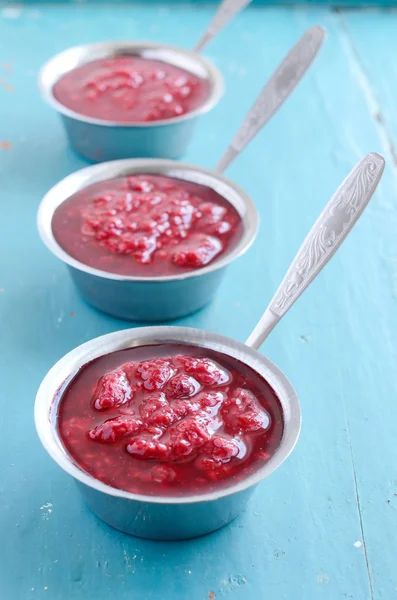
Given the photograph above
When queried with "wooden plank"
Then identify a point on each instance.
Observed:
(370, 46)
(297, 540)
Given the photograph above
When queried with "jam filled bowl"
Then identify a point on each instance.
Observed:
(163, 134)
(146, 297)
(167, 517)
(134, 99)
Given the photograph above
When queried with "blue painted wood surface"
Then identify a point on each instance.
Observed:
(170, 3)
(324, 525)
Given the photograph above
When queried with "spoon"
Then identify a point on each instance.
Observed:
(277, 89)
(226, 11)
(328, 232)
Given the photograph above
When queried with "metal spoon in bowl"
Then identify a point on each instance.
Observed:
(328, 232)
(277, 89)
(226, 11)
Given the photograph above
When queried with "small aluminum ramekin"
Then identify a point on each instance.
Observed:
(148, 299)
(158, 517)
(102, 140)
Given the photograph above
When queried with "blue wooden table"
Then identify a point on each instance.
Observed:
(324, 525)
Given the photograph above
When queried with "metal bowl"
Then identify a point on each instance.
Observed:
(163, 518)
(102, 140)
(148, 299)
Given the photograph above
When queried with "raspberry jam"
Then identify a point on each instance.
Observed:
(131, 89)
(169, 419)
(146, 225)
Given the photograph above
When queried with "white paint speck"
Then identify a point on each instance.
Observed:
(46, 587)
(47, 511)
(32, 589)
(322, 578)
(59, 320)
(357, 544)
(11, 12)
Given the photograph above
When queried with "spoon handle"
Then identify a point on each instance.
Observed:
(276, 91)
(226, 11)
(328, 232)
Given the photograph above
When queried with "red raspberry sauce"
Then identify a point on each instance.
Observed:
(130, 89)
(169, 420)
(146, 225)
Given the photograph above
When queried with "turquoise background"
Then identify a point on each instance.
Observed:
(324, 525)
(204, 3)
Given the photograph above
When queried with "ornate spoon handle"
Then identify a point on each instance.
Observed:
(276, 91)
(226, 11)
(328, 232)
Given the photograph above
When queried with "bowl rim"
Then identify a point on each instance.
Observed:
(213, 75)
(109, 170)
(66, 367)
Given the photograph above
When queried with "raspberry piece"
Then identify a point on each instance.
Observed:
(198, 251)
(206, 463)
(147, 448)
(220, 228)
(205, 370)
(151, 404)
(183, 386)
(155, 373)
(215, 455)
(113, 390)
(210, 399)
(221, 448)
(241, 413)
(162, 474)
(211, 213)
(188, 436)
(138, 244)
(212, 468)
(139, 184)
(176, 81)
(182, 92)
(252, 420)
(182, 408)
(114, 429)
(243, 399)
(163, 417)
